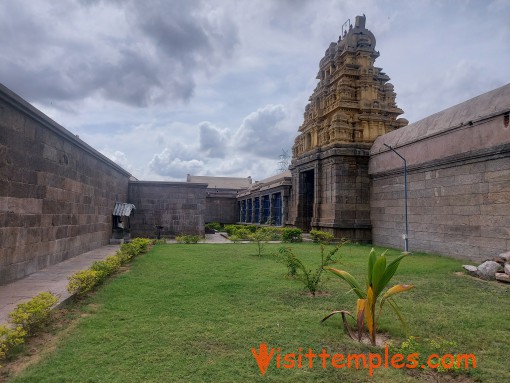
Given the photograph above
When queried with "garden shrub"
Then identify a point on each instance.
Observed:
(291, 235)
(320, 236)
(83, 281)
(107, 267)
(229, 229)
(140, 245)
(250, 228)
(34, 314)
(10, 338)
(239, 232)
(213, 226)
(188, 239)
(274, 233)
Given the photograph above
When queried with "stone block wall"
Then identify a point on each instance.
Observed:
(339, 202)
(56, 192)
(178, 207)
(458, 188)
(461, 211)
(221, 209)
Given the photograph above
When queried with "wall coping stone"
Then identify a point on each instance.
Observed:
(24, 107)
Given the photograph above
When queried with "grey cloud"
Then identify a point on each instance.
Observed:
(165, 47)
(213, 141)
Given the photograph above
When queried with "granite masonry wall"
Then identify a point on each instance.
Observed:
(331, 191)
(56, 192)
(221, 209)
(458, 181)
(177, 207)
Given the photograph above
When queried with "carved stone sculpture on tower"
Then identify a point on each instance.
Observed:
(353, 101)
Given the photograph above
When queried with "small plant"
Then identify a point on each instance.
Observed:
(188, 239)
(261, 237)
(34, 314)
(287, 257)
(379, 275)
(83, 281)
(320, 236)
(292, 235)
(310, 278)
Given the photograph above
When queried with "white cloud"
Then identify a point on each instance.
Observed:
(260, 133)
(168, 164)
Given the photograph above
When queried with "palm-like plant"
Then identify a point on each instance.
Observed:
(379, 275)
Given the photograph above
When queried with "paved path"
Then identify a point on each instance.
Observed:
(52, 279)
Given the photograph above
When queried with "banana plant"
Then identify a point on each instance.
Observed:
(379, 275)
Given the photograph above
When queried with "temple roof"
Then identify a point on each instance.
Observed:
(221, 182)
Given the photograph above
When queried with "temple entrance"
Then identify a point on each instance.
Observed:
(306, 198)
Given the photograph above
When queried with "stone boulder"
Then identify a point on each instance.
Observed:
(471, 270)
(488, 269)
(507, 268)
(505, 257)
(502, 277)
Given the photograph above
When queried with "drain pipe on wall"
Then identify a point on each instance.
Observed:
(406, 234)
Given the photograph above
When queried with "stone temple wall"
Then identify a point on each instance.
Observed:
(177, 207)
(221, 209)
(56, 192)
(458, 181)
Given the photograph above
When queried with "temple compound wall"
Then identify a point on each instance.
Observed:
(458, 164)
(167, 208)
(56, 192)
(221, 197)
(266, 202)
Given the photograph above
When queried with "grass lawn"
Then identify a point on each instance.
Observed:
(192, 313)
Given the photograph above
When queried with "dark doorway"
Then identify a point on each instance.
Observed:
(306, 197)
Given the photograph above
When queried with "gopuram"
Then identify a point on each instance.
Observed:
(351, 106)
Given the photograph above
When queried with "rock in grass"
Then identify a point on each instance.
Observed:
(487, 270)
(503, 277)
(507, 268)
(505, 256)
(471, 270)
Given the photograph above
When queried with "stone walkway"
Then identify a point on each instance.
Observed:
(52, 279)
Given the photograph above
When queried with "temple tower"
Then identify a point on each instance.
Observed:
(351, 106)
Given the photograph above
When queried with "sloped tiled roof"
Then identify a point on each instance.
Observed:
(123, 209)
(221, 182)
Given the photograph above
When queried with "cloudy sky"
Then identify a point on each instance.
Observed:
(218, 87)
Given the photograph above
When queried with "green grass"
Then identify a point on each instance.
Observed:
(192, 313)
